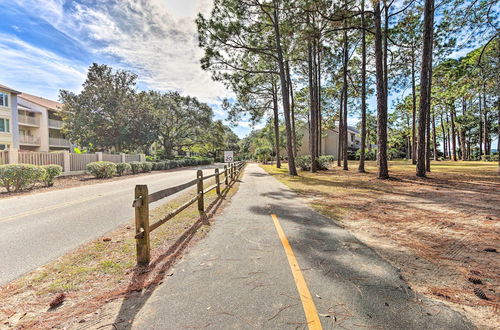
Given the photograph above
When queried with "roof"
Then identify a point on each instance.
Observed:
(13, 91)
(26, 108)
(53, 105)
(351, 128)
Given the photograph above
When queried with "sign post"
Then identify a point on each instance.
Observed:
(228, 157)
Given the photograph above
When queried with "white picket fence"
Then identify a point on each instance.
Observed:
(41, 158)
(69, 162)
(4, 157)
(78, 162)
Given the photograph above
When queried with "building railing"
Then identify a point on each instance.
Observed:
(54, 123)
(59, 142)
(35, 121)
(142, 199)
(27, 139)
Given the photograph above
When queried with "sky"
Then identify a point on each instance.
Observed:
(48, 45)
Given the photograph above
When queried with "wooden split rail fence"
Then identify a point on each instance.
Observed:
(143, 198)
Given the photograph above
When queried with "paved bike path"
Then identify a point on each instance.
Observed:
(242, 276)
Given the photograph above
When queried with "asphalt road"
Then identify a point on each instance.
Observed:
(243, 275)
(41, 227)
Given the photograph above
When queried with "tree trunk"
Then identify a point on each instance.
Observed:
(344, 135)
(413, 110)
(361, 167)
(319, 101)
(341, 122)
(294, 136)
(480, 128)
(313, 139)
(434, 140)
(292, 170)
(276, 125)
(444, 138)
(485, 130)
(383, 171)
(453, 135)
(424, 84)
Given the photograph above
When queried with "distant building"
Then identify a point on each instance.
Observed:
(330, 142)
(29, 122)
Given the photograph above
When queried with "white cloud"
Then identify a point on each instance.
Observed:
(37, 64)
(156, 39)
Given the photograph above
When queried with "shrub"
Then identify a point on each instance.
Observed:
(146, 167)
(158, 166)
(135, 167)
(102, 170)
(494, 158)
(122, 168)
(304, 162)
(325, 161)
(369, 155)
(51, 172)
(20, 176)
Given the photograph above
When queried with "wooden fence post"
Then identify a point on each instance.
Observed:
(142, 225)
(201, 206)
(226, 181)
(232, 171)
(217, 181)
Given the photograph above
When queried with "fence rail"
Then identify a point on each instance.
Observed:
(41, 158)
(112, 158)
(4, 157)
(132, 158)
(78, 162)
(143, 198)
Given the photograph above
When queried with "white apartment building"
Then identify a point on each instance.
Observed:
(29, 122)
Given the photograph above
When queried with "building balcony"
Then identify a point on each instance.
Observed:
(29, 140)
(56, 124)
(59, 142)
(29, 121)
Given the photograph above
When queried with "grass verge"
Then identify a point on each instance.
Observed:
(442, 231)
(104, 269)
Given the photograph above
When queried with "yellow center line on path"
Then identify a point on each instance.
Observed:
(312, 317)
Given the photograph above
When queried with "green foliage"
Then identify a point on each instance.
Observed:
(102, 170)
(369, 154)
(135, 167)
(146, 167)
(122, 168)
(108, 113)
(18, 177)
(304, 162)
(51, 172)
(325, 161)
(263, 154)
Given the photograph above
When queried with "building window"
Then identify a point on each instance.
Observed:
(352, 136)
(4, 125)
(4, 99)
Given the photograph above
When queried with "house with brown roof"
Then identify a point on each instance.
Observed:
(35, 122)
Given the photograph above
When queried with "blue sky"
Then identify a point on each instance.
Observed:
(48, 45)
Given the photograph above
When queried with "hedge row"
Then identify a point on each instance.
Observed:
(304, 162)
(103, 170)
(17, 177)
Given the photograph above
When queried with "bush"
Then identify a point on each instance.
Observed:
(122, 168)
(51, 172)
(369, 155)
(325, 161)
(304, 163)
(494, 158)
(135, 167)
(20, 176)
(102, 170)
(146, 167)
